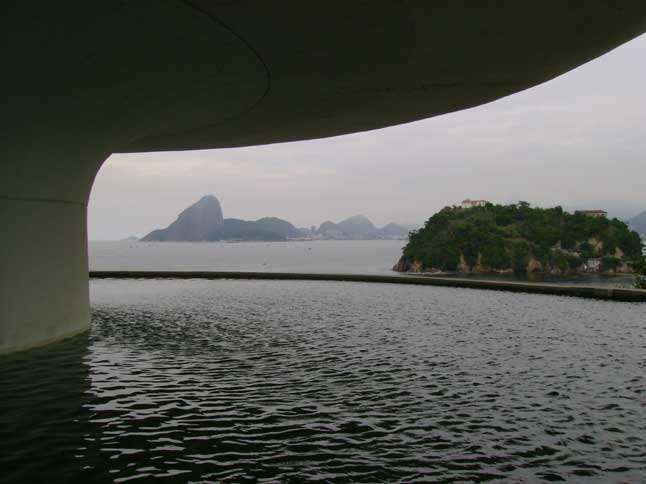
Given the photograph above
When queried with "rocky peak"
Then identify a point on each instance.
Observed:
(196, 223)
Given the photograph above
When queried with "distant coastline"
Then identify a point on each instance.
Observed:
(204, 222)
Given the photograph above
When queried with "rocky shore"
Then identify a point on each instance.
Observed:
(533, 267)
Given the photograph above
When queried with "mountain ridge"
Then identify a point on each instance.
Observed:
(204, 221)
(638, 223)
(196, 223)
(360, 227)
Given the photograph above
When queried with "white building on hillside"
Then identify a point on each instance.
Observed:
(594, 213)
(468, 203)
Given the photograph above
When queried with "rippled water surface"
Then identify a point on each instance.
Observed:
(289, 382)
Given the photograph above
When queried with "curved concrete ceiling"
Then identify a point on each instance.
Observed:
(175, 75)
(87, 79)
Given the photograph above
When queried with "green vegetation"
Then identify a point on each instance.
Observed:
(519, 238)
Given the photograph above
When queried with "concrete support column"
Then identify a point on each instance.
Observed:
(44, 292)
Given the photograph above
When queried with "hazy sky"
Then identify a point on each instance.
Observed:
(578, 141)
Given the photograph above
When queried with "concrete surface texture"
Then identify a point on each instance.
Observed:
(83, 80)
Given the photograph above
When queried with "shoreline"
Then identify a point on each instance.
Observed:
(590, 292)
(536, 274)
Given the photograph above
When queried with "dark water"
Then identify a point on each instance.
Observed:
(289, 382)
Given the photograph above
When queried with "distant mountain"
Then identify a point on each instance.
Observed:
(278, 226)
(357, 225)
(638, 223)
(328, 228)
(268, 228)
(204, 222)
(201, 221)
(360, 227)
(394, 230)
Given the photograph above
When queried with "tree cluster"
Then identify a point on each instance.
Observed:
(503, 237)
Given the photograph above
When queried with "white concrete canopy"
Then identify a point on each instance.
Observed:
(83, 80)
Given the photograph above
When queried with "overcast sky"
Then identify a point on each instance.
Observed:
(578, 141)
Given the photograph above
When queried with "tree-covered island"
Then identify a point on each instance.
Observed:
(520, 238)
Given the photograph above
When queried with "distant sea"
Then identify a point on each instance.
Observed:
(331, 256)
(320, 256)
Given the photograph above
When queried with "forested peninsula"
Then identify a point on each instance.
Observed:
(520, 238)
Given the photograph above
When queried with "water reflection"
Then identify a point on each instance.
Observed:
(42, 417)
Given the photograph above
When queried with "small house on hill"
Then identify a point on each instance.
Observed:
(468, 203)
(594, 213)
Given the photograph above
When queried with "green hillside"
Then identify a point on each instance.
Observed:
(520, 238)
